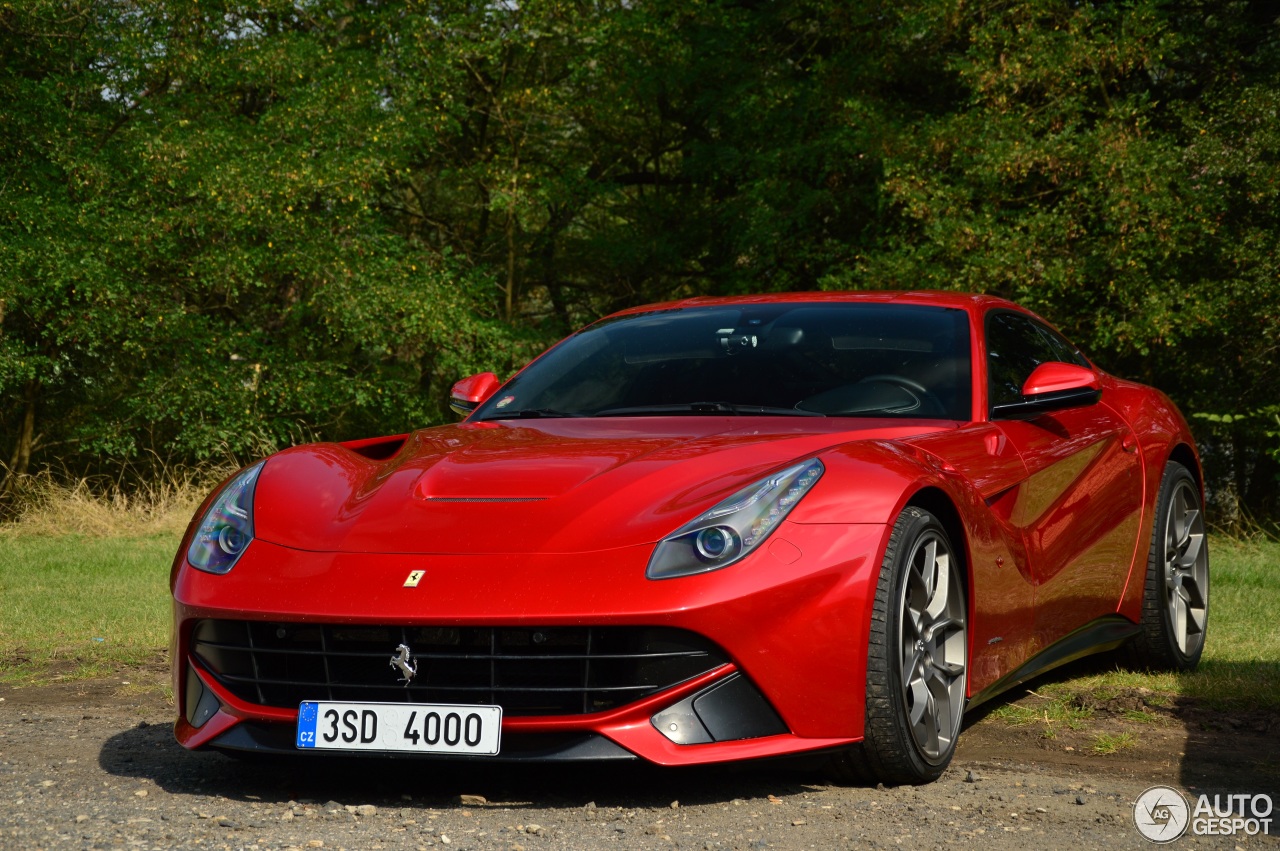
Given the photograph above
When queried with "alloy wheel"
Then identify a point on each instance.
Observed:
(932, 641)
(1186, 569)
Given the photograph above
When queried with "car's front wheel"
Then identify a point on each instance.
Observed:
(917, 658)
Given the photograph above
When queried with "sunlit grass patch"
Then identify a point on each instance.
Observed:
(1109, 743)
(84, 570)
(1051, 714)
(73, 607)
(1241, 664)
(1240, 667)
(1015, 715)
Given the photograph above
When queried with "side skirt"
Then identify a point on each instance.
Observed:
(1105, 633)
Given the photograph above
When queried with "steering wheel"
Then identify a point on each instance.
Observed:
(926, 397)
(908, 383)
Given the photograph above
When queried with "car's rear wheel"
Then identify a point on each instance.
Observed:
(917, 658)
(1175, 602)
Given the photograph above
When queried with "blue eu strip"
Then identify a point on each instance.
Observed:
(307, 715)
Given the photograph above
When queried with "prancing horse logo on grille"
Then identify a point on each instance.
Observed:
(405, 663)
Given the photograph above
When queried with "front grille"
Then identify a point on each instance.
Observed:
(526, 671)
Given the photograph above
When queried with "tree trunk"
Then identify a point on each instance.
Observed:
(20, 460)
(511, 265)
(511, 299)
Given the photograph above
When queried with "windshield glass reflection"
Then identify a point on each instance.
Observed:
(846, 360)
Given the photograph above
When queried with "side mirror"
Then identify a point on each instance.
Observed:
(1052, 387)
(471, 392)
(1050, 378)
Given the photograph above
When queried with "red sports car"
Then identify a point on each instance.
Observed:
(714, 529)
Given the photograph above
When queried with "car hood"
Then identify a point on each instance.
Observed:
(523, 486)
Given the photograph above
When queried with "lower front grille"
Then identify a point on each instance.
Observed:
(526, 671)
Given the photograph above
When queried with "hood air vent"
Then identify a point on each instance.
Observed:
(486, 499)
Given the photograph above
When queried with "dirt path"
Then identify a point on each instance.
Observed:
(94, 765)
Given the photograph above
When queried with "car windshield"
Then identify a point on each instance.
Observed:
(798, 359)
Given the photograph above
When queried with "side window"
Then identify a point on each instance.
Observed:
(1064, 351)
(1016, 345)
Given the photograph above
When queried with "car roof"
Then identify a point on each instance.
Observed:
(969, 302)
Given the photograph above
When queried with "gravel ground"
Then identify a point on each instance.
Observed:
(94, 765)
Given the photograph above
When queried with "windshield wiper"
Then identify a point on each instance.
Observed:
(705, 408)
(532, 414)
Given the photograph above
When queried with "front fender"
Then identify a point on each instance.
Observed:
(874, 482)
(868, 483)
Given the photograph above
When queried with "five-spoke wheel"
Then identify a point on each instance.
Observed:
(917, 657)
(931, 637)
(1186, 569)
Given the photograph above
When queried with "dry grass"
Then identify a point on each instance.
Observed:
(45, 506)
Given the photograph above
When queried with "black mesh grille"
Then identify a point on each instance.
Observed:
(526, 671)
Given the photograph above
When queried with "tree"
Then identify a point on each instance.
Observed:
(195, 258)
(1111, 166)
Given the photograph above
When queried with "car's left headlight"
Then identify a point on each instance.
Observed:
(227, 527)
(733, 528)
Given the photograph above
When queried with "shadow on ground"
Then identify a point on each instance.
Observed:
(149, 751)
(1187, 743)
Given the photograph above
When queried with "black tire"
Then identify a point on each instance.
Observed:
(1175, 597)
(912, 725)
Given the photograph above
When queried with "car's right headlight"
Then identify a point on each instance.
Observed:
(227, 527)
(732, 529)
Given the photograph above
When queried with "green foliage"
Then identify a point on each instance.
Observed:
(1114, 167)
(227, 226)
(195, 261)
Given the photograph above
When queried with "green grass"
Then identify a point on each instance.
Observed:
(1108, 743)
(73, 606)
(1052, 713)
(1139, 716)
(1241, 663)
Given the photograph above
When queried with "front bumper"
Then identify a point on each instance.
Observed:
(791, 619)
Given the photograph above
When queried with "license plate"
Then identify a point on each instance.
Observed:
(411, 727)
